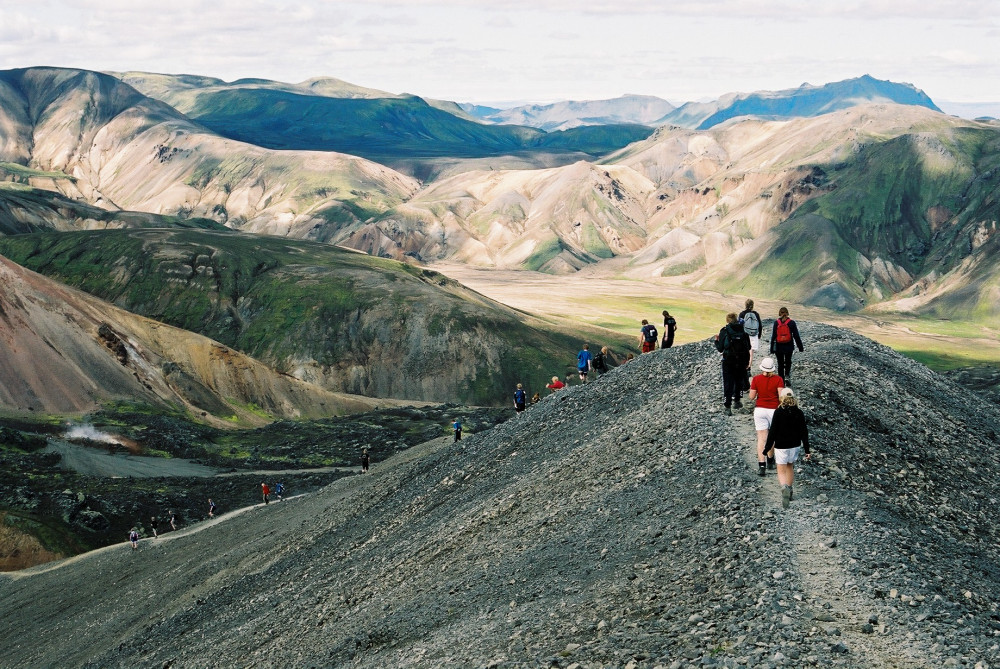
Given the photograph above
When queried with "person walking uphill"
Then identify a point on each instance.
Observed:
(764, 389)
(266, 492)
(751, 325)
(584, 362)
(734, 345)
(647, 336)
(457, 427)
(784, 339)
(669, 328)
(788, 431)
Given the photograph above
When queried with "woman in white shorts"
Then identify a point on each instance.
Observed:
(788, 431)
(764, 389)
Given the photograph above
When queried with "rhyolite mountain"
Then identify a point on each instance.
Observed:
(805, 101)
(617, 524)
(639, 109)
(342, 320)
(90, 137)
(66, 351)
(403, 131)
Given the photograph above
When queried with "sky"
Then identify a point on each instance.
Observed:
(515, 51)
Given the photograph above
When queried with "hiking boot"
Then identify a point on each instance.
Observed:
(770, 463)
(791, 494)
(728, 411)
(786, 496)
(738, 404)
(761, 469)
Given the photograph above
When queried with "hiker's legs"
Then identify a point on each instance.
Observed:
(730, 383)
(786, 474)
(784, 363)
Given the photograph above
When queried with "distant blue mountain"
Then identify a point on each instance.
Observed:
(804, 101)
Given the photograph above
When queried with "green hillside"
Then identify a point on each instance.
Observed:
(345, 320)
(384, 129)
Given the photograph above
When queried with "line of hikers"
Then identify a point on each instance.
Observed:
(778, 420)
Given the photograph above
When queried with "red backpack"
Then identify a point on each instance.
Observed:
(784, 333)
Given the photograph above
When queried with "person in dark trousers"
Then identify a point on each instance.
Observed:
(784, 339)
(520, 400)
(669, 328)
(584, 360)
(734, 345)
(601, 360)
(788, 432)
(173, 521)
(211, 508)
(647, 336)
(153, 522)
(457, 426)
(265, 492)
(365, 461)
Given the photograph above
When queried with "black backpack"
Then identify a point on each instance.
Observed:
(735, 345)
(598, 362)
(651, 333)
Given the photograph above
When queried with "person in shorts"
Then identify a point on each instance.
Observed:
(584, 362)
(764, 389)
(647, 336)
(787, 434)
(133, 537)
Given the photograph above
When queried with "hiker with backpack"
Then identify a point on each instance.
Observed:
(751, 325)
(583, 362)
(734, 345)
(648, 336)
(784, 339)
(764, 389)
(520, 400)
(788, 431)
(669, 328)
(601, 360)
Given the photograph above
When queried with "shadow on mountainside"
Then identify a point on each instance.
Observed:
(614, 524)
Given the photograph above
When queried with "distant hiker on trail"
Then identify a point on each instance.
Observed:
(211, 508)
(153, 522)
(669, 328)
(457, 426)
(133, 537)
(734, 345)
(584, 360)
(265, 492)
(600, 361)
(751, 325)
(788, 431)
(279, 490)
(365, 461)
(556, 384)
(784, 339)
(520, 399)
(629, 358)
(647, 336)
(173, 520)
(764, 389)
(536, 398)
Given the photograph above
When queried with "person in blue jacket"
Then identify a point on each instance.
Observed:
(584, 360)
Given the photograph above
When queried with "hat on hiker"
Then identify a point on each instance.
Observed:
(784, 392)
(767, 365)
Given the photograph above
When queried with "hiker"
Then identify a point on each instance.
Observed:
(751, 325)
(133, 537)
(536, 398)
(629, 358)
(265, 492)
(583, 362)
(365, 461)
(173, 521)
(788, 431)
(211, 508)
(784, 339)
(520, 398)
(764, 389)
(600, 361)
(734, 345)
(279, 490)
(647, 336)
(556, 384)
(457, 426)
(669, 328)
(153, 522)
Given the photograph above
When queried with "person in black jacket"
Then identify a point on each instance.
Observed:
(788, 431)
(669, 328)
(784, 339)
(734, 345)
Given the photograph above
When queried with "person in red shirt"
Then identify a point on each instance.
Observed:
(764, 389)
(266, 491)
(556, 384)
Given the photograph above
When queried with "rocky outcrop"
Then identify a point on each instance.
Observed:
(618, 523)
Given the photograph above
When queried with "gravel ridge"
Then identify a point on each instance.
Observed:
(616, 524)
